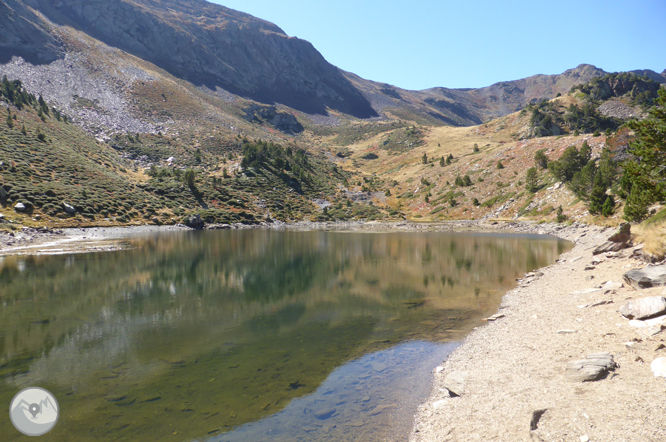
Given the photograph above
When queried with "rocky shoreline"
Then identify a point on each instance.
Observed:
(560, 362)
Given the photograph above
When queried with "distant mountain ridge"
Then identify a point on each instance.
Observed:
(222, 49)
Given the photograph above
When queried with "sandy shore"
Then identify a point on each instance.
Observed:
(515, 365)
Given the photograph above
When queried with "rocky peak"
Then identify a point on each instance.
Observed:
(210, 45)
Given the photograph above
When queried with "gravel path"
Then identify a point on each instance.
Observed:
(515, 365)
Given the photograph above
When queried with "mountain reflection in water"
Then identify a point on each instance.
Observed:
(189, 335)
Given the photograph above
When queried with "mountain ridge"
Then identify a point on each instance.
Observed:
(219, 48)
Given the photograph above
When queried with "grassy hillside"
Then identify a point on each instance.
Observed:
(47, 163)
(246, 169)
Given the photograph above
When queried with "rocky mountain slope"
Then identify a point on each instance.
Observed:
(241, 56)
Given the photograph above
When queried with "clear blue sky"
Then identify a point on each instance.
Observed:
(470, 43)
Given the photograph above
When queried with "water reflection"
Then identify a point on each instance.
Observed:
(197, 332)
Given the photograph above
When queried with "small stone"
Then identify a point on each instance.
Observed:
(584, 439)
(658, 367)
(20, 207)
(610, 285)
(439, 404)
(566, 332)
(455, 383)
(648, 332)
(588, 291)
(495, 317)
(68, 208)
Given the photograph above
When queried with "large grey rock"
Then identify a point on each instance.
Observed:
(644, 308)
(620, 240)
(68, 208)
(195, 222)
(610, 246)
(593, 368)
(647, 277)
(20, 207)
(622, 235)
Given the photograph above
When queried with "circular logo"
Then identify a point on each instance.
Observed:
(34, 411)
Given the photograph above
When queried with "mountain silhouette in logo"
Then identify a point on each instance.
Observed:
(43, 419)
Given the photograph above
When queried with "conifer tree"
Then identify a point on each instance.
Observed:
(645, 174)
(598, 195)
(532, 180)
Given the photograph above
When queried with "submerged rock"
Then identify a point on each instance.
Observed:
(325, 413)
(647, 277)
(644, 308)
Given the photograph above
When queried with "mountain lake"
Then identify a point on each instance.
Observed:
(250, 335)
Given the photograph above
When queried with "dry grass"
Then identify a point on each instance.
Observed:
(652, 234)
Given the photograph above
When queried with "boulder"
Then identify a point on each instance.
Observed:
(20, 207)
(644, 308)
(68, 208)
(593, 368)
(623, 234)
(195, 222)
(647, 277)
(610, 246)
(620, 240)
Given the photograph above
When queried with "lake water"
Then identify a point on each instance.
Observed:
(249, 335)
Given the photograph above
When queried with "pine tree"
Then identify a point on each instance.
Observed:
(532, 180)
(442, 162)
(541, 159)
(645, 174)
(425, 158)
(10, 122)
(598, 195)
(609, 206)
